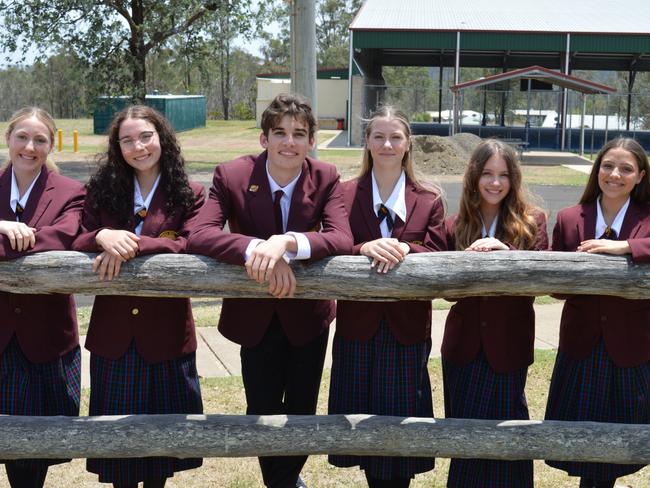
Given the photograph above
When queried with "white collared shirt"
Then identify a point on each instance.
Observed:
(396, 202)
(304, 248)
(493, 227)
(601, 225)
(15, 197)
(139, 203)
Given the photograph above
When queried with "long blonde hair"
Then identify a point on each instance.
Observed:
(42, 116)
(516, 224)
(391, 113)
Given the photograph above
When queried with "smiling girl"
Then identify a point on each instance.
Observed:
(488, 341)
(602, 370)
(381, 349)
(142, 349)
(40, 361)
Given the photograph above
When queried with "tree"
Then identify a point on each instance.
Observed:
(111, 35)
(333, 19)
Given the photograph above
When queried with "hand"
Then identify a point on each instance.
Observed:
(385, 252)
(266, 255)
(487, 244)
(21, 236)
(282, 282)
(606, 246)
(118, 243)
(107, 265)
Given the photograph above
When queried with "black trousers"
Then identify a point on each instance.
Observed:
(282, 379)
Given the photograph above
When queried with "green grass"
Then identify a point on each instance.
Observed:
(553, 175)
(226, 396)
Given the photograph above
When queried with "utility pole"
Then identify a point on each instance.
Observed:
(303, 51)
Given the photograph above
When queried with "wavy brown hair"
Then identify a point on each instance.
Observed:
(294, 105)
(641, 191)
(40, 115)
(111, 187)
(516, 225)
(391, 113)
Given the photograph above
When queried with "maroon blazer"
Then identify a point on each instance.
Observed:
(503, 327)
(241, 195)
(162, 328)
(409, 320)
(45, 325)
(624, 324)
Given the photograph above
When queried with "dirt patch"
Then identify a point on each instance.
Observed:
(437, 155)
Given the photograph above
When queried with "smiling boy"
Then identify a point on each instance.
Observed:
(280, 206)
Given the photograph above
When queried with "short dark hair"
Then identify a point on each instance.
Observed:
(294, 105)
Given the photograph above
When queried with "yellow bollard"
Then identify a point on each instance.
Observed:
(75, 140)
(60, 146)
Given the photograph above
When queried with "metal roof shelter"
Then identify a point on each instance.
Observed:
(507, 34)
(541, 74)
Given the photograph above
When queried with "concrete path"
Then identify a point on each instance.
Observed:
(218, 357)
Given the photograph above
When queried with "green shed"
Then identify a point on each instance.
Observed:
(185, 112)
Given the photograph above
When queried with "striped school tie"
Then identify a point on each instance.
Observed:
(19, 211)
(140, 215)
(384, 213)
(609, 234)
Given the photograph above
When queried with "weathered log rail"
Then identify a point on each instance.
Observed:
(420, 277)
(250, 435)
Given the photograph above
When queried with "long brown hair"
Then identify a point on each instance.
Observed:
(42, 116)
(641, 192)
(391, 113)
(516, 225)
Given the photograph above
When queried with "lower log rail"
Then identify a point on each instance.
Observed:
(250, 435)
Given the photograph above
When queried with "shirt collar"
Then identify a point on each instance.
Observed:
(493, 227)
(601, 225)
(287, 189)
(138, 202)
(396, 202)
(15, 193)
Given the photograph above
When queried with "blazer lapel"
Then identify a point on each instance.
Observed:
(364, 198)
(5, 195)
(259, 200)
(39, 199)
(301, 210)
(410, 196)
(631, 222)
(587, 224)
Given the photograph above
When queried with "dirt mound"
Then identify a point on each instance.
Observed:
(436, 155)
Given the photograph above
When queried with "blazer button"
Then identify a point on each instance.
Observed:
(603, 318)
(18, 310)
(483, 324)
(135, 311)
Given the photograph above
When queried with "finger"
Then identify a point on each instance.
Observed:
(32, 239)
(389, 255)
(273, 284)
(116, 268)
(102, 267)
(292, 284)
(269, 265)
(97, 262)
(12, 239)
(132, 236)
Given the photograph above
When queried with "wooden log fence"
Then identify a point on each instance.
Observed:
(420, 276)
(250, 435)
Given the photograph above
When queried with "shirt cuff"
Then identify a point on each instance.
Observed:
(304, 248)
(249, 249)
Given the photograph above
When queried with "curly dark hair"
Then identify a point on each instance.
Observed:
(111, 187)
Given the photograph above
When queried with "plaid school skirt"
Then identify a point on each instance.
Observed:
(477, 391)
(44, 389)
(129, 385)
(381, 377)
(595, 389)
